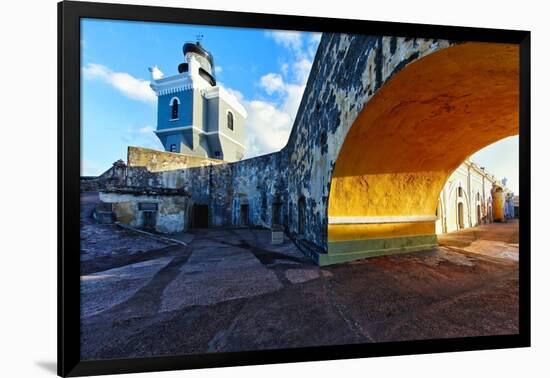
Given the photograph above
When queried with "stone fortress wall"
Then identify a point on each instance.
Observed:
(292, 187)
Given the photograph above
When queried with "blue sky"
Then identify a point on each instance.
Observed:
(502, 160)
(266, 70)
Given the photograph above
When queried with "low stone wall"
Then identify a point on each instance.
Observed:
(258, 184)
(159, 161)
(115, 175)
(169, 216)
(95, 184)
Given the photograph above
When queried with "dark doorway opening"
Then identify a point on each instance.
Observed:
(200, 216)
(276, 213)
(460, 215)
(149, 212)
(244, 215)
(149, 220)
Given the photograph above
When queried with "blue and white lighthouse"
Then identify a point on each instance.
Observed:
(195, 115)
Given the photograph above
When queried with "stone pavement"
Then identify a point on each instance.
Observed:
(231, 290)
(495, 239)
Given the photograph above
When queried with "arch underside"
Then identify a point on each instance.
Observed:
(417, 129)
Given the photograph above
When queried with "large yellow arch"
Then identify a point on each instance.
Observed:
(409, 138)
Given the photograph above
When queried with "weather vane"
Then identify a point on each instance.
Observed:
(199, 38)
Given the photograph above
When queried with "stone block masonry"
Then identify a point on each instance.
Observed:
(159, 161)
(292, 187)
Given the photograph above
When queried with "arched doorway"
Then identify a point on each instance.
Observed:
(409, 138)
(460, 215)
(478, 214)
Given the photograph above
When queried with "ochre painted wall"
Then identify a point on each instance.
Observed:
(341, 232)
(498, 205)
(418, 128)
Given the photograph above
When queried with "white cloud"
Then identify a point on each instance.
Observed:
(302, 68)
(313, 43)
(270, 121)
(284, 69)
(143, 137)
(292, 99)
(302, 49)
(288, 39)
(233, 92)
(269, 124)
(272, 83)
(296, 42)
(146, 129)
(129, 86)
(267, 128)
(218, 69)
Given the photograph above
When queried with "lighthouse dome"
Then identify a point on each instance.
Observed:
(203, 56)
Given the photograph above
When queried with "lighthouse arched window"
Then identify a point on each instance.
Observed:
(230, 120)
(174, 104)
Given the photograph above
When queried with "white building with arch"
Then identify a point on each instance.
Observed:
(471, 197)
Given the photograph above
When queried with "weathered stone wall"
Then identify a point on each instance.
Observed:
(157, 161)
(346, 73)
(115, 175)
(170, 217)
(258, 183)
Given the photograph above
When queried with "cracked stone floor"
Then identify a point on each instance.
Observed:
(230, 290)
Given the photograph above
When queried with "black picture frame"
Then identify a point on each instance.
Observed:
(69, 15)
